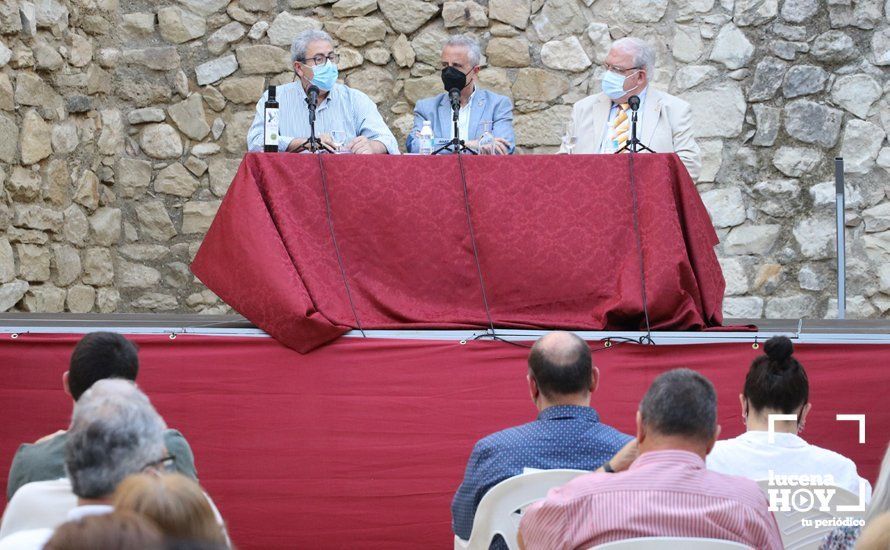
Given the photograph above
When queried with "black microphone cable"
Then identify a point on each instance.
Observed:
(327, 203)
(463, 180)
(647, 339)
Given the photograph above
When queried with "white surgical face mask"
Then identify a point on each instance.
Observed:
(613, 85)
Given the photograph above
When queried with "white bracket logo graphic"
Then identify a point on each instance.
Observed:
(857, 418)
(860, 418)
(772, 419)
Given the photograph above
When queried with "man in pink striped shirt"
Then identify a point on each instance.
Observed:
(666, 492)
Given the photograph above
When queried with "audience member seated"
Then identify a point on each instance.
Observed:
(777, 384)
(666, 492)
(567, 433)
(845, 538)
(114, 432)
(175, 503)
(114, 531)
(98, 355)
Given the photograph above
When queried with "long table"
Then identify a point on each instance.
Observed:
(309, 247)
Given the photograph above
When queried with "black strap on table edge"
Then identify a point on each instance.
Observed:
(463, 180)
(327, 202)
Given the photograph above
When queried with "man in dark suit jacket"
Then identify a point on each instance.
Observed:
(98, 355)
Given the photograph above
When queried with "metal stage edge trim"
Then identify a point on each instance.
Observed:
(802, 331)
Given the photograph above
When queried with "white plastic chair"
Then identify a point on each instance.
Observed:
(796, 536)
(664, 543)
(501, 508)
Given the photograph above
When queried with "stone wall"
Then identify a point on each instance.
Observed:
(122, 123)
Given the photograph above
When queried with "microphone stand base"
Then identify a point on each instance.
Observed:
(456, 146)
(313, 145)
(634, 147)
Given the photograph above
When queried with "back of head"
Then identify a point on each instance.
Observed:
(101, 355)
(172, 501)
(681, 403)
(776, 381)
(560, 364)
(114, 432)
(115, 531)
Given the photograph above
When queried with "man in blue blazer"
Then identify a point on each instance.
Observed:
(460, 58)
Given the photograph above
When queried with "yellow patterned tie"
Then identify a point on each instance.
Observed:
(619, 131)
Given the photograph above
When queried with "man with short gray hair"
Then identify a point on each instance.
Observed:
(666, 491)
(346, 118)
(461, 63)
(601, 122)
(114, 432)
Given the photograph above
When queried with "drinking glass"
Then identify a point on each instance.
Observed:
(339, 139)
(486, 141)
(568, 138)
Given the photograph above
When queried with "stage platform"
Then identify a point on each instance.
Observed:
(362, 442)
(812, 331)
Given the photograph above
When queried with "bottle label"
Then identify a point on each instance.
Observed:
(271, 127)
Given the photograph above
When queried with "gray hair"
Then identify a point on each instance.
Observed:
(681, 402)
(644, 54)
(474, 53)
(880, 498)
(114, 432)
(301, 43)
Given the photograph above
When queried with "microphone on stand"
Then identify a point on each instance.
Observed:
(634, 102)
(313, 144)
(454, 95)
(312, 100)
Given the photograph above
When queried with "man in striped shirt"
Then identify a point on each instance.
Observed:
(345, 118)
(666, 492)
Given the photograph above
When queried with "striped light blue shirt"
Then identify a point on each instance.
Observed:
(343, 109)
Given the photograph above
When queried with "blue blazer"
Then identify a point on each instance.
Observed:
(486, 106)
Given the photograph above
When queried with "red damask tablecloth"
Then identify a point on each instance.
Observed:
(554, 234)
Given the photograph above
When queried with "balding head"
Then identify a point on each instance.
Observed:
(560, 365)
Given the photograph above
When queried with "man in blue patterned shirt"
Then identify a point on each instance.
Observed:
(567, 433)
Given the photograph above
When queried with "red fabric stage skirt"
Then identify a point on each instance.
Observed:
(362, 443)
(555, 238)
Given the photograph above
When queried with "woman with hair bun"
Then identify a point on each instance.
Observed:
(777, 384)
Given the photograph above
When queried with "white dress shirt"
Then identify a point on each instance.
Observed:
(751, 455)
(39, 504)
(37, 508)
(463, 119)
(36, 538)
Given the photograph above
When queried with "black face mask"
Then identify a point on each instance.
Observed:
(453, 79)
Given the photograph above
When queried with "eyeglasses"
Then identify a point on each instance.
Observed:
(320, 59)
(164, 464)
(620, 70)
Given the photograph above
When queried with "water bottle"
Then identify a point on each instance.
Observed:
(486, 141)
(426, 138)
(270, 123)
